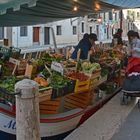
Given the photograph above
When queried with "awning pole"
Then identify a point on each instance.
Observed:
(121, 19)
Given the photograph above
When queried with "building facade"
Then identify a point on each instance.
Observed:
(70, 31)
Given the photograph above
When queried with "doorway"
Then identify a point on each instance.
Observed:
(36, 37)
(46, 35)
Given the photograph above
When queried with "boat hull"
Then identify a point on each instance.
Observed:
(50, 126)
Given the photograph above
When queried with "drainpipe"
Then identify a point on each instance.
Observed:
(17, 37)
(121, 19)
(86, 23)
(54, 39)
(78, 29)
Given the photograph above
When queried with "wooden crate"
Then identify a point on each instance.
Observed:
(21, 67)
(94, 79)
(79, 100)
(45, 95)
(50, 106)
(9, 68)
(102, 79)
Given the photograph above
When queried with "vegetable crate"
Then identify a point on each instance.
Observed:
(94, 79)
(50, 106)
(103, 79)
(45, 95)
(62, 91)
(79, 100)
(15, 52)
(21, 67)
(71, 86)
(81, 86)
(57, 92)
(5, 52)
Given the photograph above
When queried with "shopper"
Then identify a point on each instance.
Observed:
(134, 43)
(85, 45)
(134, 60)
(118, 37)
(137, 35)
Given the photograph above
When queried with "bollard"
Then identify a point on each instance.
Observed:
(27, 111)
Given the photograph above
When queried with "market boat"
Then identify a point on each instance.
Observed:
(62, 113)
(51, 126)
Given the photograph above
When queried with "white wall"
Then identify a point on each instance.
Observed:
(22, 41)
(67, 36)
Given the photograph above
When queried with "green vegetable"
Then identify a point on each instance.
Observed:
(104, 72)
(8, 83)
(57, 80)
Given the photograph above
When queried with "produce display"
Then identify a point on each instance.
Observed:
(72, 80)
(57, 80)
(88, 67)
(8, 83)
(77, 75)
(41, 81)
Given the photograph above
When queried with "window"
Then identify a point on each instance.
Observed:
(128, 26)
(116, 16)
(138, 15)
(105, 30)
(23, 31)
(82, 27)
(58, 30)
(104, 17)
(110, 16)
(74, 30)
(97, 30)
(90, 29)
(1, 32)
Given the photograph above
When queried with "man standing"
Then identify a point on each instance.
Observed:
(85, 45)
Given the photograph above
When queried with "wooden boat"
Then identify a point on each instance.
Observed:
(51, 126)
(74, 110)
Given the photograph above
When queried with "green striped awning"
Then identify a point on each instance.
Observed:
(29, 12)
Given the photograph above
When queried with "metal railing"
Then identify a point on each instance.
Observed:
(7, 97)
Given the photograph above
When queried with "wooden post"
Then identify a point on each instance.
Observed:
(67, 53)
(88, 57)
(27, 110)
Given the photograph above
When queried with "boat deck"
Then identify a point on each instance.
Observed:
(112, 122)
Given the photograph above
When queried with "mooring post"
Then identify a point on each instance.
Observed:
(27, 110)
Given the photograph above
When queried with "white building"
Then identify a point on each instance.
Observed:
(70, 31)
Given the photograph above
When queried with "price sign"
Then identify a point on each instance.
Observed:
(57, 67)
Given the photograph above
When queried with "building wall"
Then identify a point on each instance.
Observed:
(22, 41)
(104, 30)
(67, 36)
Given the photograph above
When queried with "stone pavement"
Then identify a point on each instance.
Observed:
(130, 129)
(108, 123)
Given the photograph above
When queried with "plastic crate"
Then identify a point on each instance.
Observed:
(5, 53)
(57, 92)
(81, 86)
(71, 86)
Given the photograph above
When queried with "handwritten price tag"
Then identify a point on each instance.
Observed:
(57, 67)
